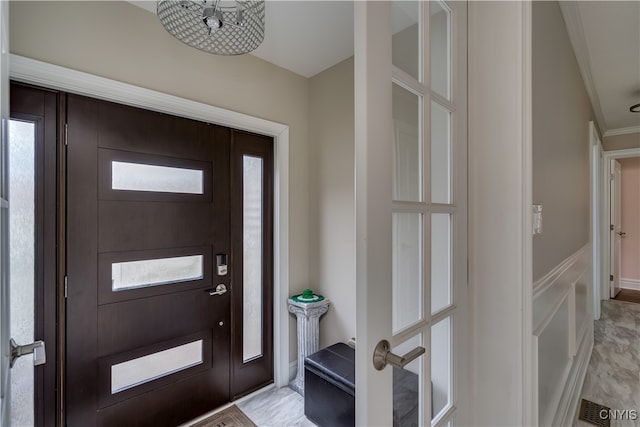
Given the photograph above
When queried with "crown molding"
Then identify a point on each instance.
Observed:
(573, 22)
(622, 131)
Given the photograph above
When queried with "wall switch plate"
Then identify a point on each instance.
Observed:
(537, 219)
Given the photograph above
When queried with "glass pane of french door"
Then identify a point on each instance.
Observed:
(22, 264)
(424, 208)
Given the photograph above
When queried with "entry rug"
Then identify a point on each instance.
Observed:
(230, 417)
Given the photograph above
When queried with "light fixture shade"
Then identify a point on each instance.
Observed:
(231, 30)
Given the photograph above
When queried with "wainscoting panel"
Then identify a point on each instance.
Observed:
(563, 337)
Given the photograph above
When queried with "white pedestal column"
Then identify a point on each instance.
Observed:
(308, 321)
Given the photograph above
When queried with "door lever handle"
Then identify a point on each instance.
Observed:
(220, 289)
(37, 348)
(621, 234)
(382, 356)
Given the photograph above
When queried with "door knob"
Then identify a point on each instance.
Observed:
(621, 234)
(37, 348)
(220, 289)
(382, 356)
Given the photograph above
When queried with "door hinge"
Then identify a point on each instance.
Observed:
(611, 277)
(611, 227)
(66, 134)
(65, 287)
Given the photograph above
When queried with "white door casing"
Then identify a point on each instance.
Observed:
(4, 216)
(615, 228)
(373, 172)
(596, 154)
(605, 208)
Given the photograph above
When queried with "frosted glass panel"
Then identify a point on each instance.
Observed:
(406, 36)
(440, 154)
(440, 41)
(406, 387)
(252, 257)
(22, 263)
(153, 272)
(440, 261)
(407, 270)
(138, 371)
(163, 179)
(441, 365)
(407, 149)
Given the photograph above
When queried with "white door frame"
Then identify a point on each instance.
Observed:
(4, 217)
(605, 246)
(55, 77)
(596, 154)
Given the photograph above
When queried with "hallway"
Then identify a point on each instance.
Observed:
(612, 377)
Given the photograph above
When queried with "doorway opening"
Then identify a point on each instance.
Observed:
(619, 244)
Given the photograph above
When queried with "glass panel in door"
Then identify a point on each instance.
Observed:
(406, 40)
(252, 243)
(440, 48)
(22, 264)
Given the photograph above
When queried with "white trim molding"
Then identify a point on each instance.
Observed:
(573, 21)
(630, 284)
(563, 337)
(622, 131)
(55, 77)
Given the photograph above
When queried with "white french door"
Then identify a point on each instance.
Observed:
(411, 211)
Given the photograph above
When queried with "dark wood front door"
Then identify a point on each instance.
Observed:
(152, 300)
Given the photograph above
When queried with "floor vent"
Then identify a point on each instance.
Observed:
(594, 413)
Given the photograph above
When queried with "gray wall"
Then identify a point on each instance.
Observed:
(332, 199)
(561, 112)
(621, 142)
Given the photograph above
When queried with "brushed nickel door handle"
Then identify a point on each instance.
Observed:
(37, 348)
(382, 356)
(220, 289)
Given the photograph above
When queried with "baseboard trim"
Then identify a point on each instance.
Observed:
(630, 284)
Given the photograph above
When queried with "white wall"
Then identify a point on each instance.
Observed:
(123, 42)
(499, 212)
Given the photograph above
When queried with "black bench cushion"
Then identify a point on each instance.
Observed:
(336, 362)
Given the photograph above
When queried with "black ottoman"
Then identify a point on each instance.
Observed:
(329, 386)
(329, 389)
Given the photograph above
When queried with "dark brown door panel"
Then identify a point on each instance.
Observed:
(131, 324)
(130, 226)
(39, 107)
(160, 407)
(145, 319)
(133, 129)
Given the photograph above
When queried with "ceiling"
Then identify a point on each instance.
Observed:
(305, 37)
(606, 39)
(308, 36)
